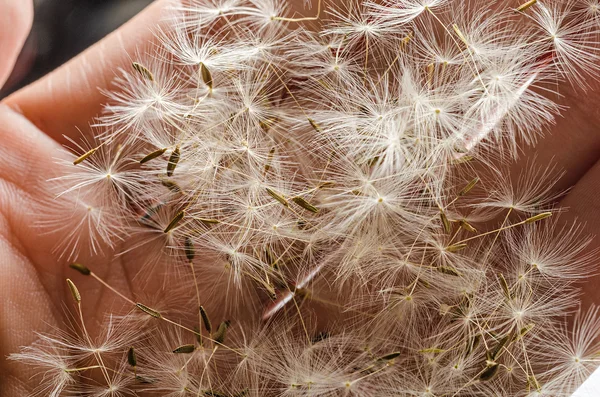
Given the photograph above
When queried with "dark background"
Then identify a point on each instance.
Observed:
(64, 28)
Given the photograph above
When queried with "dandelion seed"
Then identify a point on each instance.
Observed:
(489, 373)
(277, 197)
(148, 310)
(206, 76)
(445, 222)
(74, 291)
(184, 349)
(467, 226)
(143, 71)
(173, 160)
(469, 187)
(153, 155)
(526, 5)
(389, 357)
(505, 287)
(189, 250)
(448, 270)
(305, 204)
(80, 268)
(84, 156)
(538, 217)
(205, 320)
(131, 357)
(219, 336)
(456, 247)
(314, 125)
(209, 222)
(175, 221)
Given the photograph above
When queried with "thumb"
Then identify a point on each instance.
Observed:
(16, 17)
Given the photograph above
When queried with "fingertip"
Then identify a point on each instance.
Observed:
(16, 18)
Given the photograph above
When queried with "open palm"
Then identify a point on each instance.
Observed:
(34, 121)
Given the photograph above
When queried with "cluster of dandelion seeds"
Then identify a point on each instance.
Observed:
(301, 202)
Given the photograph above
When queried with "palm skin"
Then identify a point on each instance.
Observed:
(33, 291)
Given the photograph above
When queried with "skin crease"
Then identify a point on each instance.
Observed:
(33, 292)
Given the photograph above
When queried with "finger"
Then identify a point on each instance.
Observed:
(16, 17)
(573, 143)
(583, 204)
(65, 101)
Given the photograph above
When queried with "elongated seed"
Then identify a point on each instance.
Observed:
(467, 226)
(525, 6)
(305, 204)
(469, 187)
(205, 319)
(504, 285)
(74, 291)
(131, 358)
(148, 310)
(389, 356)
(175, 221)
(445, 222)
(449, 270)
(84, 156)
(456, 247)
(538, 217)
(190, 252)
(173, 160)
(206, 75)
(277, 197)
(314, 125)
(219, 336)
(490, 372)
(80, 268)
(459, 33)
(184, 349)
(501, 344)
(143, 71)
(209, 222)
(153, 155)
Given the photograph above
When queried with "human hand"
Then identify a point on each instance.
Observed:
(32, 124)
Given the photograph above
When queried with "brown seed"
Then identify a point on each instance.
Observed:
(175, 221)
(80, 268)
(153, 155)
(84, 156)
(143, 71)
(190, 252)
(209, 222)
(173, 160)
(184, 349)
(206, 75)
(504, 285)
(219, 336)
(467, 226)
(449, 270)
(389, 356)
(445, 222)
(305, 204)
(148, 310)
(277, 197)
(205, 319)
(314, 125)
(131, 358)
(490, 372)
(469, 187)
(74, 291)
(456, 247)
